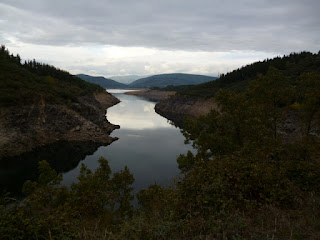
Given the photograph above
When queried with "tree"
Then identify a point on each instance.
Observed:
(270, 93)
(52, 211)
(309, 107)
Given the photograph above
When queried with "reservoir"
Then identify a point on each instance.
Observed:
(148, 144)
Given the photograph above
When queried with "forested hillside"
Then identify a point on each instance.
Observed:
(174, 79)
(41, 104)
(292, 66)
(103, 82)
(31, 82)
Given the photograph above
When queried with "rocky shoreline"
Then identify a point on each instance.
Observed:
(177, 109)
(24, 128)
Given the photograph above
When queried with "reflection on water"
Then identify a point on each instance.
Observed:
(135, 113)
(62, 156)
(147, 144)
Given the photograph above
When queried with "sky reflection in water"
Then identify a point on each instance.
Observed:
(148, 144)
(135, 113)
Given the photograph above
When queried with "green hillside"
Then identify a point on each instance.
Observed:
(102, 81)
(33, 82)
(292, 66)
(174, 79)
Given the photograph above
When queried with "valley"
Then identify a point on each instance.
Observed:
(246, 148)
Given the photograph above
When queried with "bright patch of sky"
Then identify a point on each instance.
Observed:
(116, 60)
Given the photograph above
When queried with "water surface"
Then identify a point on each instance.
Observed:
(148, 144)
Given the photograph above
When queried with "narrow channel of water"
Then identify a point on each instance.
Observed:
(148, 144)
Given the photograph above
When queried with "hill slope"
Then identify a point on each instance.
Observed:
(189, 98)
(27, 83)
(102, 81)
(174, 79)
(292, 66)
(40, 105)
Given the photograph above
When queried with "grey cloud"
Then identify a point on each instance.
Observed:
(210, 25)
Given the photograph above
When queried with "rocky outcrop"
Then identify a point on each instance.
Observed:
(24, 128)
(153, 95)
(176, 109)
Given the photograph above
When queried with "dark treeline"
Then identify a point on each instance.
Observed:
(32, 81)
(4, 52)
(292, 66)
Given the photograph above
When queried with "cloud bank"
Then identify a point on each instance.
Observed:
(151, 36)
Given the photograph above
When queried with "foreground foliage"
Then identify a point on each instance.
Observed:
(90, 209)
(249, 159)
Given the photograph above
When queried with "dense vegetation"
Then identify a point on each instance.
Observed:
(52, 211)
(33, 82)
(175, 79)
(256, 175)
(102, 81)
(292, 66)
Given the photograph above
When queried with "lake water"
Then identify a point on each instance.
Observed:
(148, 144)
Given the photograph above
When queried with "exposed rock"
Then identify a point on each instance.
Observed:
(23, 128)
(176, 109)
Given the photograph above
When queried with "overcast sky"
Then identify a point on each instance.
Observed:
(122, 37)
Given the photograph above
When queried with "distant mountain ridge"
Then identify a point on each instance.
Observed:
(175, 79)
(127, 79)
(161, 80)
(102, 81)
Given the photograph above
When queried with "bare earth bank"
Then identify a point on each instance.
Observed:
(176, 109)
(24, 128)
